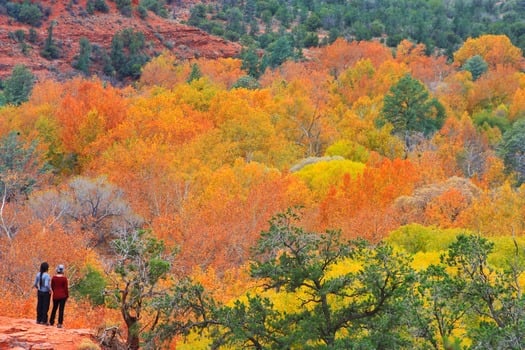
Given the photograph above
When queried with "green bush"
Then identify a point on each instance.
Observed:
(91, 286)
(30, 14)
(127, 53)
(124, 6)
(101, 6)
(247, 82)
(156, 6)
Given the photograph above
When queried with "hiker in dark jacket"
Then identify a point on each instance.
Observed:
(43, 286)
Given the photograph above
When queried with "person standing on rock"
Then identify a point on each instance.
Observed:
(43, 286)
(59, 285)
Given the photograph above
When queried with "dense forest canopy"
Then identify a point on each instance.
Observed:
(370, 195)
(287, 27)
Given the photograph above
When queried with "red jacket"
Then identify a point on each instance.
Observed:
(59, 287)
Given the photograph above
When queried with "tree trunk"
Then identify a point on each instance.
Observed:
(132, 340)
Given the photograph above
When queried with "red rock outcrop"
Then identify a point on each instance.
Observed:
(25, 334)
(73, 23)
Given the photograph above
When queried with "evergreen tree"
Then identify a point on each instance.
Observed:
(50, 50)
(279, 51)
(195, 73)
(82, 62)
(476, 65)
(410, 110)
(250, 62)
(512, 149)
(18, 86)
(127, 56)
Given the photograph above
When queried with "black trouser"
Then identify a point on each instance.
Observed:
(42, 306)
(60, 304)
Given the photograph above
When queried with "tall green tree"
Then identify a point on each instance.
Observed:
(439, 306)
(411, 111)
(154, 304)
(82, 62)
(512, 149)
(195, 73)
(51, 50)
(19, 85)
(250, 62)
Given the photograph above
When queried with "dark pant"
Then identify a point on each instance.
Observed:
(42, 306)
(58, 304)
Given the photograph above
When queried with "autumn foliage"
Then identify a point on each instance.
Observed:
(204, 165)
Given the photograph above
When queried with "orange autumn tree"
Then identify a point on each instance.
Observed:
(494, 88)
(498, 212)
(157, 179)
(36, 120)
(453, 93)
(87, 111)
(517, 105)
(364, 80)
(356, 81)
(464, 149)
(222, 71)
(494, 49)
(429, 69)
(361, 207)
(246, 128)
(341, 55)
(445, 209)
(160, 114)
(219, 226)
(164, 71)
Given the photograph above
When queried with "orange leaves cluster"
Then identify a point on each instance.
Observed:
(167, 71)
(219, 227)
(495, 50)
(429, 69)
(493, 89)
(341, 55)
(361, 207)
(87, 110)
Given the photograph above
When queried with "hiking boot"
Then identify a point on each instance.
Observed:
(59, 325)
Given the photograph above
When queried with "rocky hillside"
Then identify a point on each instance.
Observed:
(71, 22)
(24, 334)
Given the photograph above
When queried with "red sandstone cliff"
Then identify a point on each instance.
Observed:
(25, 334)
(73, 23)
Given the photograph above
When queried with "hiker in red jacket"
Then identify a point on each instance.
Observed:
(59, 285)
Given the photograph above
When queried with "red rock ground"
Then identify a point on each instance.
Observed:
(72, 24)
(25, 334)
